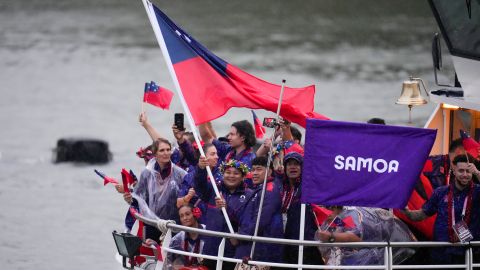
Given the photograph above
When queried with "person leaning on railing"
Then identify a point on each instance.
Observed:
(456, 204)
(187, 241)
(362, 224)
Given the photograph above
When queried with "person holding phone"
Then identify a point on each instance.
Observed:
(184, 155)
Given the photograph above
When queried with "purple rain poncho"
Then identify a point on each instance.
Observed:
(160, 193)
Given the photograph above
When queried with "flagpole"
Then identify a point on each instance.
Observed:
(269, 161)
(161, 42)
(147, 85)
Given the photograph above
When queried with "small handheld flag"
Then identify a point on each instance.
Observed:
(321, 214)
(133, 177)
(157, 96)
(106, 179)
(470, 145)
(346, 222)
(133, 211)
(126, 179)
(259, 129)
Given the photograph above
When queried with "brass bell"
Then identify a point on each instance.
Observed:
(411, 93)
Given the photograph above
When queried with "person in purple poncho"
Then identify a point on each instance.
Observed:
(184, 155)
(159, 185)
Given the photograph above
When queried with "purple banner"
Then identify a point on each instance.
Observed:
(353, 164)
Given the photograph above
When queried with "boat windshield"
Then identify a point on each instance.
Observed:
(459, 22)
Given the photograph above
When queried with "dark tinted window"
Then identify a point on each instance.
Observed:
(460, 25)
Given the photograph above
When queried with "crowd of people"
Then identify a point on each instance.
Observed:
(175, 186)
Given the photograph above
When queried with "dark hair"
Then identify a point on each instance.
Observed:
(157, 142)
(463, 158)
(261, 161)
(189, 134)
(192, 209)
(206, 146)
(245, 129)
(455, 144)
(375, 120)
(297, 135)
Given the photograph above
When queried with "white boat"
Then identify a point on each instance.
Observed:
(458, 108)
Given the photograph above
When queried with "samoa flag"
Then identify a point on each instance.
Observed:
(259, 129)
(471, 146)
(211, 86)
(356, 164)
(157, 96)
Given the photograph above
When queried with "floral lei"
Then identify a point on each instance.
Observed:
(452, 237)
(234, 164)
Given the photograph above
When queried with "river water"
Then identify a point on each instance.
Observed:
(77, 68)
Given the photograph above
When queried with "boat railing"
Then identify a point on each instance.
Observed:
(386, 246)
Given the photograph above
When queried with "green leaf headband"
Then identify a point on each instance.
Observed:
(242, 167)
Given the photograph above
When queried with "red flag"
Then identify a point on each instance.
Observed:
(294, 148)
(416, 202)
(133, 211)
(348, 222)
(106, 179)
(259, 129)
(157, 96)
(211, 86)
(126, 179)
(470, 145)
(321, 214)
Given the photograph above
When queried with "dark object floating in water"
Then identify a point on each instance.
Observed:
(82, 150)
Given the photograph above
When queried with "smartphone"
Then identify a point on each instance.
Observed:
(269, 122)
(178, 121)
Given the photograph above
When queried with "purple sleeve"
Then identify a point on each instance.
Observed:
(202, 187)
(186, 184)
(176, 156)
(271, 205)
(430, 207)
(222, 149)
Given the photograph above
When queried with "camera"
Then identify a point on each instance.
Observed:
(269, 122)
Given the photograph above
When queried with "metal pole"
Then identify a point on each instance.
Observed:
(257, 224)
(221, 250)
(161, 42)
(302, 233)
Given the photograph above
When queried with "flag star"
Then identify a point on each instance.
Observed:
(178, 33)
(188, 39)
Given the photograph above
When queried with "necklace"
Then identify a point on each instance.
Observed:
(467, 206)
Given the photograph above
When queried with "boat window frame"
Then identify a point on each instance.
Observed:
(453, 50)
